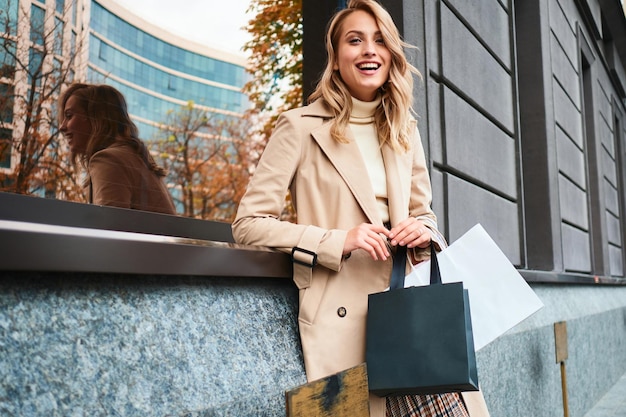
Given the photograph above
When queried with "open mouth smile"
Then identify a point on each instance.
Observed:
(368, 66)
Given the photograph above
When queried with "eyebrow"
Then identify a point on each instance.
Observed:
(69, 109)
(361, 33)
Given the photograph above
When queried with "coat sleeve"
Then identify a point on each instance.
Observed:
(258, 216)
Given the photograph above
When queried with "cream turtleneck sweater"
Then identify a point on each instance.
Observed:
(364, 131)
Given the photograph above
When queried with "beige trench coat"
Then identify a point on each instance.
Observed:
(331, 192)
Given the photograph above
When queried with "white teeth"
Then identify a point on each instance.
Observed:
(368, 66)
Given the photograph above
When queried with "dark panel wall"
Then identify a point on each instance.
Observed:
(315, 14)
(523, 112)
(577, 140)
(473, 134)
(568, 120)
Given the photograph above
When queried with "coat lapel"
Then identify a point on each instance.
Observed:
(347, 160)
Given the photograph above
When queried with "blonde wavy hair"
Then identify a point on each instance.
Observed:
(393, 116)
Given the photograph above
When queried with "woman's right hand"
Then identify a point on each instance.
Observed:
(370, 238)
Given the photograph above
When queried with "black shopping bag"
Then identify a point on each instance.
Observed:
(419, 339)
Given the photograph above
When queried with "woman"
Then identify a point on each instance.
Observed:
(355, 167)
(120, 171)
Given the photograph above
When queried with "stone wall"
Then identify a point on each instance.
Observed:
(105, 345)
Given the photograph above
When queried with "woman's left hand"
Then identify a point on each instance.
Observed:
(410, 233)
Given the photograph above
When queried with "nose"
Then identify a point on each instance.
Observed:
(63, 126)
(369, 48)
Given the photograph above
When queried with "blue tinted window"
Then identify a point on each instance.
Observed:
(58, 36)
(140, 104)
(163, 53)
(113, 61)
(8, 16)
(37, 16)
(147, 131)
(60, 5)
(164, 77)
(34, 67)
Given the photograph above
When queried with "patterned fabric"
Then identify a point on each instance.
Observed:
(442, 405)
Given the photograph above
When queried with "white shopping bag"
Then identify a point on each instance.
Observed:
(499, 296)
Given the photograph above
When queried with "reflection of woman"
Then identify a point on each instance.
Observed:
(354, 164)
(121, 172)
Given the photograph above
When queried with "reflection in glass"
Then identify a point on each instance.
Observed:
(120, 170)
(159, 74)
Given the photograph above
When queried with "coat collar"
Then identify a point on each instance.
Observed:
(317, 109)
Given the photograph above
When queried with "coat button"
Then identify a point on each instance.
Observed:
(341, 311)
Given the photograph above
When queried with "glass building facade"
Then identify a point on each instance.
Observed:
(37, 40)
(157, 71)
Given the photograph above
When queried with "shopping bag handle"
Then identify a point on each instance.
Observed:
(435, 274)
(398, 271)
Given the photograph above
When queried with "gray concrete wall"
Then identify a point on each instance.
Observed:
(519, 374)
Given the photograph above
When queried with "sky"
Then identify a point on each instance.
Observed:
(214, 23)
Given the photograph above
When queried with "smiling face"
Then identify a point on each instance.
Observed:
(362, 59)
(75, 126)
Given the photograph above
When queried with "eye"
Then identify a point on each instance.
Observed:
(354, 40)
(380, 41)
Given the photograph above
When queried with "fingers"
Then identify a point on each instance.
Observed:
(375, 239)
(410, 233)
(370, 238)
